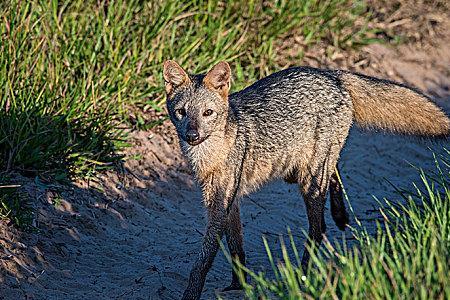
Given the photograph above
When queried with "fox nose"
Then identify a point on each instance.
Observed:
(192, 135)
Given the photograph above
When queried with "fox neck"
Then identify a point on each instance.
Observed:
(209, 157)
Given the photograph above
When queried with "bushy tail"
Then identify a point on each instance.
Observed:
(391, 106)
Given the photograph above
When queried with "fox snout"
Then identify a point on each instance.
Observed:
(193, 136)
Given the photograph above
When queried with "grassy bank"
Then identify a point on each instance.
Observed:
(408, 257)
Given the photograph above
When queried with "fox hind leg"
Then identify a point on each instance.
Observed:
(313, 187)
(338, 210)
(314, 180)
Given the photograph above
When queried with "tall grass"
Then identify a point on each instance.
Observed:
(73, 72)
(408, 258)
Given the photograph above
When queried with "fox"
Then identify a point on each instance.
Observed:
(291, 125)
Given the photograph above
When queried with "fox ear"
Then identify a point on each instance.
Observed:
(218, 79)
(174, 76)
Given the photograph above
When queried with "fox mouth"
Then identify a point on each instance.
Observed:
(197, 141)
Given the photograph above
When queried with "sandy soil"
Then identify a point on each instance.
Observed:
(135, 234)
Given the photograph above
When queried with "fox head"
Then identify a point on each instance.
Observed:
(197, 104)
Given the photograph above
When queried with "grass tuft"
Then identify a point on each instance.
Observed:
(14, 208)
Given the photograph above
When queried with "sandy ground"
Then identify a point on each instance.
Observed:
(135, 234)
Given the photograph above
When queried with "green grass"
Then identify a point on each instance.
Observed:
(408, 258)
(14, 206)
(73, 72)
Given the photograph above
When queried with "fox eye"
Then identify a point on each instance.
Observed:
(208, 112)
(180, 113)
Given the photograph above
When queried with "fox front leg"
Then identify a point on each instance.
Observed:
(235, 243)
(214, 232)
